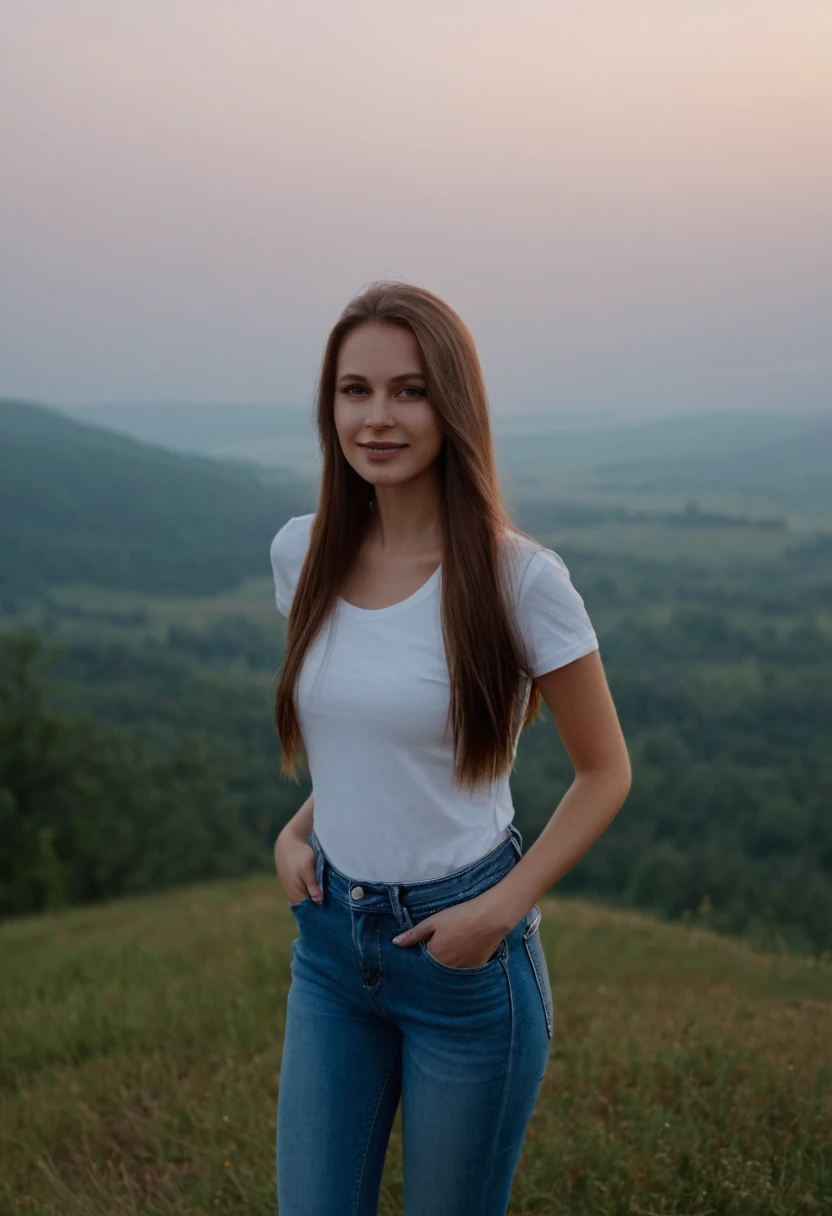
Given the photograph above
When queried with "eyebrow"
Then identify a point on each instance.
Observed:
(394, 379)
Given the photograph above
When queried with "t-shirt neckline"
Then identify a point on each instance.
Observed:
(376, 613)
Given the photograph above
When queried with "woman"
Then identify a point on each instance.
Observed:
(423, 631)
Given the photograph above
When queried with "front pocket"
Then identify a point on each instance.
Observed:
(537, 958)
(486, 966)
(294, 907)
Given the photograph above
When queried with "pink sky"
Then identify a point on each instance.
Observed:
(628, 201)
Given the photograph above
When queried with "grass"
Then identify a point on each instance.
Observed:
(140, 1057)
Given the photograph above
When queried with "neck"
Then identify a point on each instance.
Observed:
(407, 518)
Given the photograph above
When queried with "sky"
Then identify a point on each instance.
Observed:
(627, 201)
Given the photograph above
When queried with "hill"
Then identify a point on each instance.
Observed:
(79, 504)
(792, 467)
(780, 457)
(140, 1065)
(579, 436)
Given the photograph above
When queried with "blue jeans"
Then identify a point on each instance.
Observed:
(369, 1024)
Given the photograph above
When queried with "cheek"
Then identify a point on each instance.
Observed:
(343, 425)
(429, 430)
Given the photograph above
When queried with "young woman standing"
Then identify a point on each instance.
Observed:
(423, 631)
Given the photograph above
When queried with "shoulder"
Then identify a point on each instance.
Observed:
(523, 560)
(292, 540)
(552, 616)
(288, 551)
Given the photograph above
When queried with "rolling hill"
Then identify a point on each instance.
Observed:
(80, 504)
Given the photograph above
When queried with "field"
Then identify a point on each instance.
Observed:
(141, 1046)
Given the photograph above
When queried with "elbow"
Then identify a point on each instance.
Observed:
(614, 779)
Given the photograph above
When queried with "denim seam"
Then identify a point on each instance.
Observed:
(371, 996)
(378, 951)
(506, 1085)
(369, 1138)
(548, 1012)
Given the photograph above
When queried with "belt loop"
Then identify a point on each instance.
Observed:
(401, 914)
(516, 839)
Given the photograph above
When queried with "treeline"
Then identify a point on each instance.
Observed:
(537, 516)
(89, 810)
(727, 823)
(799, 582)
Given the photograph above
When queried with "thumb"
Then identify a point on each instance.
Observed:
(409, 937)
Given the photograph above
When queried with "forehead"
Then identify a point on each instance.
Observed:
(373, 348)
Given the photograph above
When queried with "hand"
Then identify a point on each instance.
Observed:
(464, 935)
(294, 860)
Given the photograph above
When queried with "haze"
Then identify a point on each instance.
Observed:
(628, 201)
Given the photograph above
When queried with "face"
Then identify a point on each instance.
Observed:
(381, 399)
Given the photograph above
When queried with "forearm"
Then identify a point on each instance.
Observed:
(583, 814)
(301, 823)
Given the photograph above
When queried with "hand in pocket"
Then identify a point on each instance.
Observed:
(294, 861)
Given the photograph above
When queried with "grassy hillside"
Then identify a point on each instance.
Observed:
(81, 504)
(140, 1052)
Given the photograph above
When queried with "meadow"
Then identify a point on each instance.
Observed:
(140, 1046)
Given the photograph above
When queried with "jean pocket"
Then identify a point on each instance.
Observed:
(537, 957)
(319, 873)
(489, 964)
(496, 958)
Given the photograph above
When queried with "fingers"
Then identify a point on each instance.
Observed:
(409, 937)
(311, 879)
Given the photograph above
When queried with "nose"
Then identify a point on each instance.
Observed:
(378, 410)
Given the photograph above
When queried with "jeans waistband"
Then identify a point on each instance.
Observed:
(420, 898)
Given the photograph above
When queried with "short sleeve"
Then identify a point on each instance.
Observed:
(554, 624)
(288, 551)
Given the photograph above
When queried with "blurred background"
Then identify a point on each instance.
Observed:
(629, 205)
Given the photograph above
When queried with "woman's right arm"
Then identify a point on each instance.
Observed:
(294, 858)
(300, 824)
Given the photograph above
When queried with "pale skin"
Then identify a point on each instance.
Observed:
(380, 395)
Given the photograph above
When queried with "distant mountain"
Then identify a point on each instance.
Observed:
(270, 435)
(672, 438)
(181, 425)
(275, 435)
(81, 504)
(782, 457)
(265, 432)
(793, 466)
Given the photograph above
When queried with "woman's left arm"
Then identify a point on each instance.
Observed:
(580, 702)
(581, 705)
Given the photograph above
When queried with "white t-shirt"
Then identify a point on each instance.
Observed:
(372, 714)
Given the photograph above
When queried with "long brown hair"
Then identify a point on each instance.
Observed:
(482, 645)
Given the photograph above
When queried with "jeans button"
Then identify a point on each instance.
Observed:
(357, 892)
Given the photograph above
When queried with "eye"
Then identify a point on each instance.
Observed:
(348, 391)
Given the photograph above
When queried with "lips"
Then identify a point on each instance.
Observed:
(383, 447)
